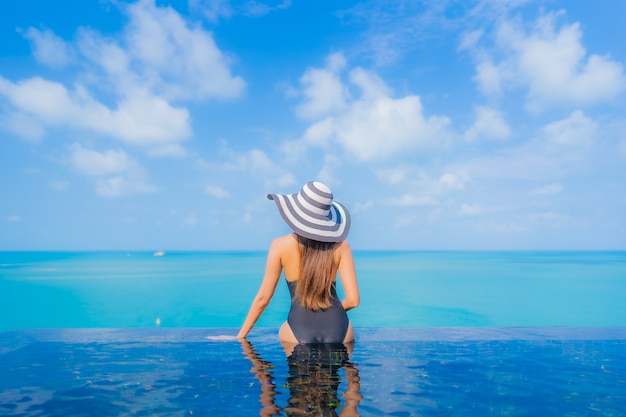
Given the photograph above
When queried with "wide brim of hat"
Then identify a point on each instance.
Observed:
(334, 228)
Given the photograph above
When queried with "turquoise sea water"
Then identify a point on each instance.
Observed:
(398, 289)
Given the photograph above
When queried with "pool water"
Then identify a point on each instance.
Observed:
(545, 371)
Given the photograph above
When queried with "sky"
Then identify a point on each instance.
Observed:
(441, 125)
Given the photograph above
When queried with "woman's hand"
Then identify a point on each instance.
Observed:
(223, 337)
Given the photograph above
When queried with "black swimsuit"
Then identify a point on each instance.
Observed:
(322, 326)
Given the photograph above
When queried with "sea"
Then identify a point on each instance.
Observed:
(398, 289)
(526, 333)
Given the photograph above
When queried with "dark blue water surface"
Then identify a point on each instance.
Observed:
(543, 371)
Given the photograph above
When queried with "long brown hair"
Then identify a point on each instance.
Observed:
(317, 273)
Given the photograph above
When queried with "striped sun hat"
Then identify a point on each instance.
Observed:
(313, 214)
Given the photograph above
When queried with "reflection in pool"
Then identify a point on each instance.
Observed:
(312, 381)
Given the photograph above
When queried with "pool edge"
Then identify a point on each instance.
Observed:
(421, 334)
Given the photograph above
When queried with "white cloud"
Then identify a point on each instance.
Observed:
(159, 57)
(371, 85)
(361, 207)
(23, 125)
(190, 220)
(554, 151)
(392, 176)
(452, 181)
(551, 62)
(172, 150)
(404, 221)
(496, 8)
(622, 147)
(327, 173)
(13, 218)
(489, 124)
(577, 131)
(162, 53)
(392, 30)
(149, 120)
(214, 10)
(425, 188)
(117, 174)
(60, 185)
(259, 9)
(470, 209)
(502, 227)
(319, 133)
(216, 191)
(139, 119)
(476, 210)
(410, 200)
(490, 77)
(374, 125)
(119, 186)
(48, 48)
(97, 163)
(544, 217)
(548, 189)
(385, 127)
(470, 39)
(513, 163)
(181, 60)
(323, 90)
(257, 163)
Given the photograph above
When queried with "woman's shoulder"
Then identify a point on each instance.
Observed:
(284, 242)
(285, 248)
(342, 250)
(344, 246)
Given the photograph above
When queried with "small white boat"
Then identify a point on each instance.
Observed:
(159, 253)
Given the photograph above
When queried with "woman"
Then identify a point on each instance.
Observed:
(310, 257)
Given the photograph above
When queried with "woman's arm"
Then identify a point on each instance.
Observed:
(353, 394)
(273, 269)
(347, 274)
(261, 370)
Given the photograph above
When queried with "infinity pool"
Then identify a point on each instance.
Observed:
(543, 371)
(438, 334)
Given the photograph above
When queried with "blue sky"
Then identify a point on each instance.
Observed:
(439, 124)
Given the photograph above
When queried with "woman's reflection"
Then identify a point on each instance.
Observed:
(313, 380)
